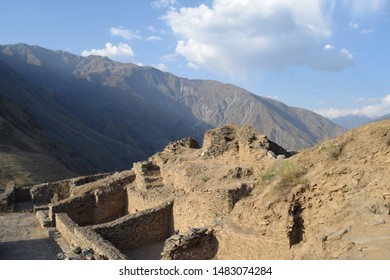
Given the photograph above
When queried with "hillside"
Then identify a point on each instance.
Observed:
(98, 115)
(328, 202)
(24, 158)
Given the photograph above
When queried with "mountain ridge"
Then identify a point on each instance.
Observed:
(105, 115)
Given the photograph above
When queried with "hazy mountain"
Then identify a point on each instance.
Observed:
(382, 118)
(96, 114)
(352, 121)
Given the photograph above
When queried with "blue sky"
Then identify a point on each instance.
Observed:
(329, 56)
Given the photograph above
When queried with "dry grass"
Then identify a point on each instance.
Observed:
(284, 176)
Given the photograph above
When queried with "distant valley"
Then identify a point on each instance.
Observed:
(63, 114)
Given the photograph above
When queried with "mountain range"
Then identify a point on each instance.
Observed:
(78, 115)
(352, 121)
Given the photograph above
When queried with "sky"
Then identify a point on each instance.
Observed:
(328, 56)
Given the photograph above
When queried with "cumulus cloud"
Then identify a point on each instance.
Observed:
(238, 37)
(124, 33)
(379, 108)
(121, 52)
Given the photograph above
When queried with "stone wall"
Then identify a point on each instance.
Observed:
(140, 200)
(86, 238)
(204, 208)
(7, 199)
(110, 204)
(80, 209)
(97, 206)
(138, 229)
(46, 192)
(195, 244)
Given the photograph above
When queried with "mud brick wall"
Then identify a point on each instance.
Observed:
(138, 229)
(86, 238)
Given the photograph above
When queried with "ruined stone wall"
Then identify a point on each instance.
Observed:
(44, 193)
(195, 244)
(86, 238)
(7, 199)
(110, 204)
(203, 208)
(80, 209)
(139, 200)
(138, 229)
(98, 206)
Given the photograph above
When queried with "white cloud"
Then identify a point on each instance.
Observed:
(121, 52)
(380, 108)
(170, 57)
(153, 38)
(192, 65)
(365, 31)
(124, 33)
(364, 8)
(164, 3)
(160, 66)
(238, 37)
(354, 26)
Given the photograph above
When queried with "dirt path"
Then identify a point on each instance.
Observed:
(21, 238)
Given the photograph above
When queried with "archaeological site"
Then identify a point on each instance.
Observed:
(238, 196)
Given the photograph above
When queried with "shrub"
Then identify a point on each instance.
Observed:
(290, 174)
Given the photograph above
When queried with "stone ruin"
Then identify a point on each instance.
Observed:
(166, 207)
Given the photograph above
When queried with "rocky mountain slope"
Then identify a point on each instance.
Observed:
(98, 115)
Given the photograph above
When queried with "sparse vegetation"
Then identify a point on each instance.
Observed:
(286, 175)
(205, 179)
(290, 174)
(334, 151)
(267, 176)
